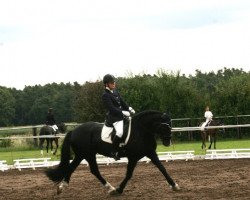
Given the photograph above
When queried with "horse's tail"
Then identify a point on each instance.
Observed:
(57, 174)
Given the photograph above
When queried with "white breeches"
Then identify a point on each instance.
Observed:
(118, 128)
(204, 124)
(54, 127)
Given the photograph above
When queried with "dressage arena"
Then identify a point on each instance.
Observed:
(198, 179)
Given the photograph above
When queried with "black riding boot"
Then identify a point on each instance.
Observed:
(115, 146)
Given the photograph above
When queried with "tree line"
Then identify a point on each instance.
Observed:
(226, 91)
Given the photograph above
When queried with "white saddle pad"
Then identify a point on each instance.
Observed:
(106, 134)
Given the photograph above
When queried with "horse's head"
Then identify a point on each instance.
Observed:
(164, 129)
(62, 127)
(220, 123)
(154, 122)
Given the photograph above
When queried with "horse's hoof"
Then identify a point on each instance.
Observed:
(110, 187)
(61, 187)
(59, 190)
(114, 192)
(176, 187)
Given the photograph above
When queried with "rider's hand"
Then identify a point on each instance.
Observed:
(126, 113)
(131, 110)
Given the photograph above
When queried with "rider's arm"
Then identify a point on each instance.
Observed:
(108, 104)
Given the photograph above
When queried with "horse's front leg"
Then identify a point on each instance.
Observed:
(130, 169)
(51, 145)
(155, 160)
(203, 146)
(41, 145)
(203, 137)
(214, 142)
(47, 146)
(211, 142)
(56, 142)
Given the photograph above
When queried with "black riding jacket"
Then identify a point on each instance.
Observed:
(114, 105)
(50, 120)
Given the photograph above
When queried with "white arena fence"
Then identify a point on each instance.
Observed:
(34, 163)
(175, 129)
(227, 153)
(209, 127)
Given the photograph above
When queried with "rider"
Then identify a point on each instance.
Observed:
(50, 120)
(116, 110)
(208, 115)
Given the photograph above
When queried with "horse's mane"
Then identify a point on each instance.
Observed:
(145, 112)
(141, 115)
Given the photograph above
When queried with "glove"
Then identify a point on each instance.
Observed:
(131, 110)
(126, 113)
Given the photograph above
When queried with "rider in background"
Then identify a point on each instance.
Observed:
(50, 120)
(116, 110)
(208, 115)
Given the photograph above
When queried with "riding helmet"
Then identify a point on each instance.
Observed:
(108, 78)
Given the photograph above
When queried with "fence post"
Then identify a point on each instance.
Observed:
(238, 128)
(35, 139)
(190, 133)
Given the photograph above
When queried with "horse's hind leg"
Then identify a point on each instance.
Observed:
(73, 165)
(95, 171)
(130, 169)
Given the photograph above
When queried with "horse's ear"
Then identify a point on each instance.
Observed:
(165, 116)
(167, 113)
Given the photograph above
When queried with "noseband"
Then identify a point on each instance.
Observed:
(168, 126)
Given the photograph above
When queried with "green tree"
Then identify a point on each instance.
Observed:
(233, 95)
(87, 103)
(178, 95)
(139, 92)
(7, 107)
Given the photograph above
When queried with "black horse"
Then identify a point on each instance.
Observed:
(86, 142)
(210, 134)
(48, 131)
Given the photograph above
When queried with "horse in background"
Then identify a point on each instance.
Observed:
(86, 141)
(210, 134)
(49, 131)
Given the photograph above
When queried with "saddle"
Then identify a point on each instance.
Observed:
(51, 130)
(208, 123)
(108, 132)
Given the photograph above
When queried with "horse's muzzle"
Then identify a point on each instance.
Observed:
(167, 142)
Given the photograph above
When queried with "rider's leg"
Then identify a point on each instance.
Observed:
(203, 126)
(55, 128)
(116, 141)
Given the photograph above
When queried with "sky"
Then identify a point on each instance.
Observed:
(46, 41)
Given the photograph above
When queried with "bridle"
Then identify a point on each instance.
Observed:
(167, 124)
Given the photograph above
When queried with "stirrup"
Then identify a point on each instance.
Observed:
(115, 155)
